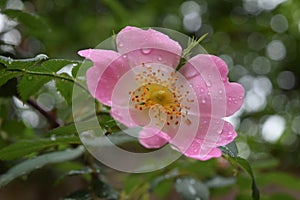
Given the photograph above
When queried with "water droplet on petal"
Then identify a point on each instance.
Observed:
(235, 102)
(208, 83)
(159, 58)
(220, 91)
(120, 44)
(124, 56)
(201, 90)
(203, 100)
(146, 51)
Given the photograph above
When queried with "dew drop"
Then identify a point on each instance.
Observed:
(201, 90)
(124, 56)
(220, 91)
(120, 44)
(203, 100)
(29, 78)
(208, 83)
(235, 102)
(146, 51)
(159, 58)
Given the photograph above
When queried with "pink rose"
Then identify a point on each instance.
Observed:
(143, 88)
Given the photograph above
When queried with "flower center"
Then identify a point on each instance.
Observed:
(160, 92)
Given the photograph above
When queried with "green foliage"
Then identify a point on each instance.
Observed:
(26, 147)
(28, 166)
(37, 72)
(230, 150)
(7, 75)
(244, 164)
(29, 85)
(65, 88)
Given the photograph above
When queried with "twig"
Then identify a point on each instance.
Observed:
(51, 119)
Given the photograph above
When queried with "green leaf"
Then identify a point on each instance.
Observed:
(230, 149)
(25, 147)
(162, 178)
(65, 88)
(36, 76)
(54, 65)
(64, 130)
(103, 190)
(83, 171)
(191, 189)
(34, 23)
(29, 85)
(28, 166)
(7, 75)
(244, 164)
(79, 195)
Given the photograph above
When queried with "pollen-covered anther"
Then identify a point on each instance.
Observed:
(161, 92)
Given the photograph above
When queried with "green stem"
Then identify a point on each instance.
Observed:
(53, 74)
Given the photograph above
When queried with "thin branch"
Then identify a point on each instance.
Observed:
(49, 116)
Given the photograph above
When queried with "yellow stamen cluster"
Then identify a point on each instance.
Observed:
(160, 92)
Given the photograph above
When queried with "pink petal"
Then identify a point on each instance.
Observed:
(221, 65)
(214, 153)
(235, 97)
(211, 134)
(148, 46)
(200, 88)
(103, 76)
(234, 91)
(228, 135)
(153, 138)
(207, 74)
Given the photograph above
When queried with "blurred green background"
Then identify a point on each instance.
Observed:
(258, 39)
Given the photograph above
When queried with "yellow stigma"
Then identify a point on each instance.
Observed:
(159, 94)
